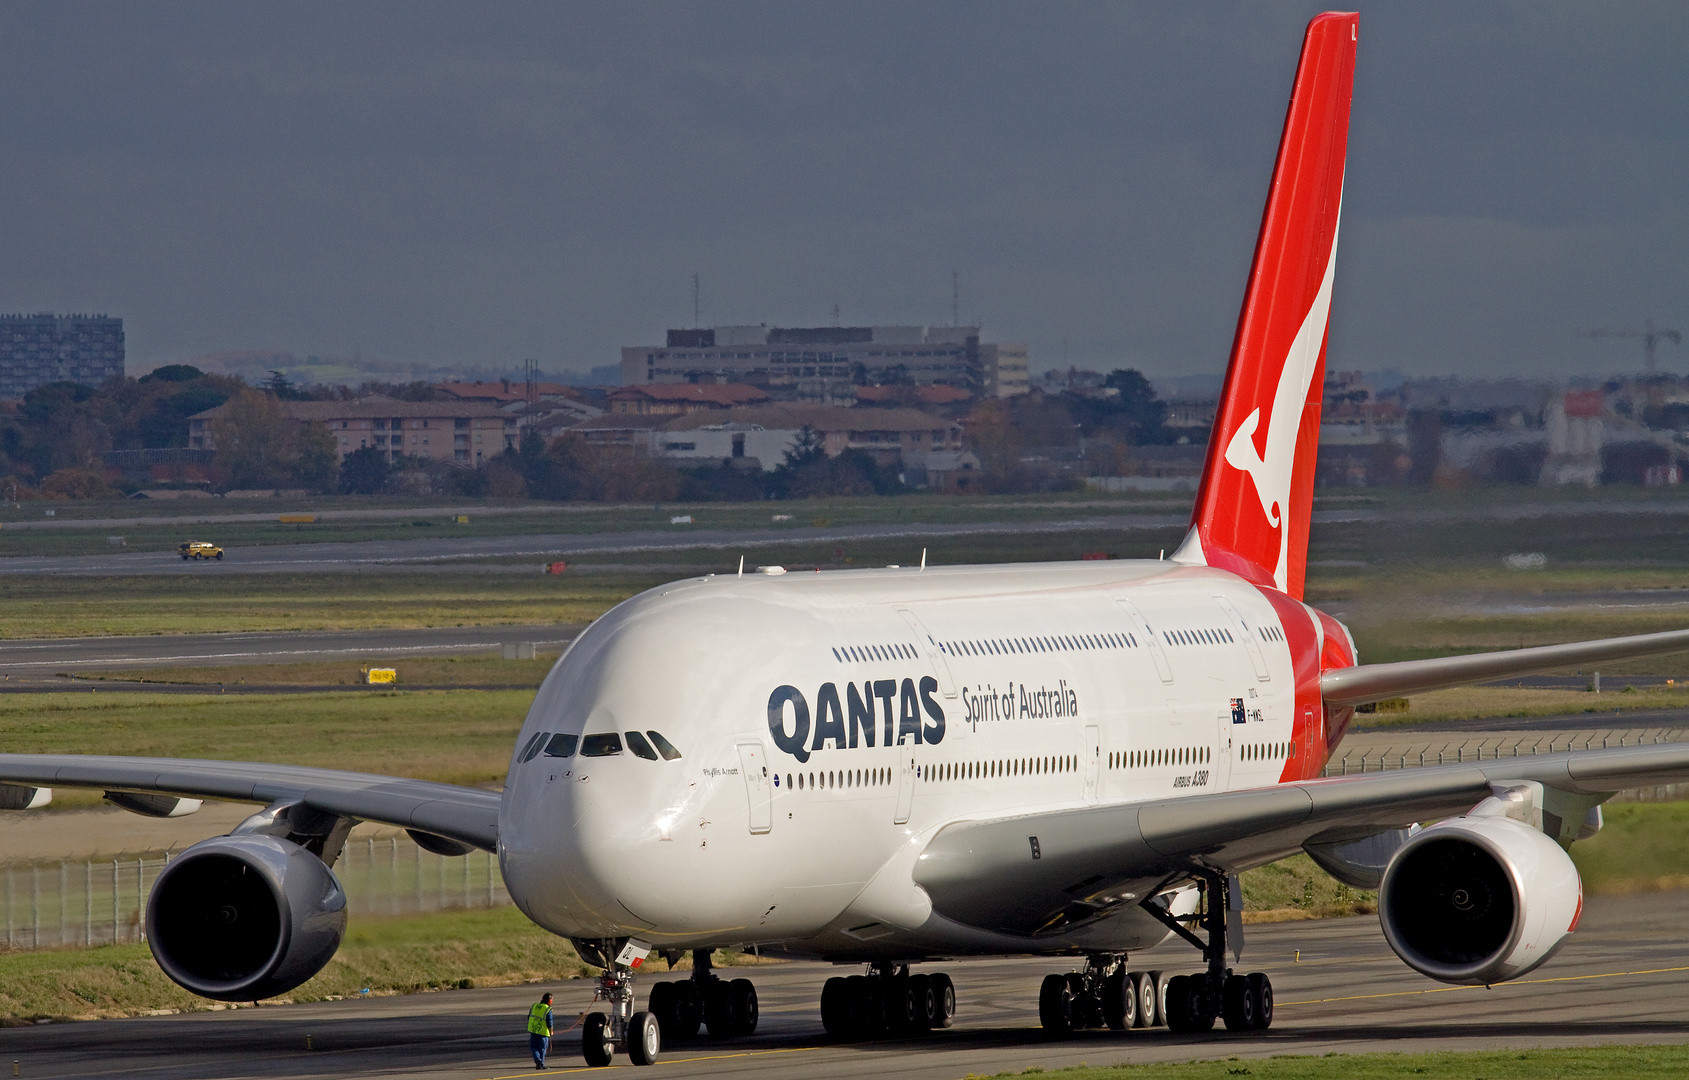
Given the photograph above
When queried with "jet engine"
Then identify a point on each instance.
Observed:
(1479, 900)
(238, 918)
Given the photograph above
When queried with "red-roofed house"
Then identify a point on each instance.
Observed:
(679, 398)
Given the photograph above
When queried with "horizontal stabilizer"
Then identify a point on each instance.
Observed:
(1374, 682)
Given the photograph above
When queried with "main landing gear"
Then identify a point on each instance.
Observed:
(727, 1008)
(887, 1001)
(1105, 993)
(1194, 1002)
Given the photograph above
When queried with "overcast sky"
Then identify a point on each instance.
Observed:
(478, 183)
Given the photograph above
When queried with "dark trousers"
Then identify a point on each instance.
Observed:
(538, 1045)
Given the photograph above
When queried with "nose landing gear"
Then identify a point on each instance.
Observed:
(639, 1033)
(887, 1001)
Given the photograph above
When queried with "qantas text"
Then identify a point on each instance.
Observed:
(850, 722)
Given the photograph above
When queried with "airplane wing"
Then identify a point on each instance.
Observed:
(1371, 682)
(468, 816)
(1041, 871)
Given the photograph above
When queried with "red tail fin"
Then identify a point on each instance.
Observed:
(1251, 514)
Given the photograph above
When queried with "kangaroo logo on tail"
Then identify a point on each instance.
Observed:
(1272, 471)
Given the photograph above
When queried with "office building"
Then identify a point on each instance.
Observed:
(825, 364)
(45, 348)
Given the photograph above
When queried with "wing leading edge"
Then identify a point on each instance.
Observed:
(1086, 861)
(466, 815)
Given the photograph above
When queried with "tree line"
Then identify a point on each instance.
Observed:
(52, 444)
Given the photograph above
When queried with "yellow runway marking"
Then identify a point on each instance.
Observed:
(666, 1061)
(1450, 989)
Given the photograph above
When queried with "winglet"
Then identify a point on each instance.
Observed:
(1252, 510)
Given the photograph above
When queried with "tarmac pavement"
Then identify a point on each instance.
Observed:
(1623, 978)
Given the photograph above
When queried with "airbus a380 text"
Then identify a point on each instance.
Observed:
(895, 766)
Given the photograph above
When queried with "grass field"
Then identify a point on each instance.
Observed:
(431, 671)
(40, 607)
(494, 947)
(1473, 702)
(455, 736)
(1587, 1063)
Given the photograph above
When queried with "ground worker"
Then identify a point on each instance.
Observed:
(539, 1029)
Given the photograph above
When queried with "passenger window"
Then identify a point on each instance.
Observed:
(664, 747)
(640, 748)
(533, 746)
(604, 744)
(561, 746)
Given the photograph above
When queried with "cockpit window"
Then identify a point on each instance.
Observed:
(533, 746)
(561, 746)
(640, 748)
(664, 747)
(603, 744)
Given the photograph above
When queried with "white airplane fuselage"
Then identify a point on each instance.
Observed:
(829, 724)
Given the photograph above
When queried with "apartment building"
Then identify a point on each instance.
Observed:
(464, 432)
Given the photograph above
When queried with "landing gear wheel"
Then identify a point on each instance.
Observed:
(1262, 988)
(1120, 1001)
(924, 998)
(645, 1038)
(944, 1000)
(742, 1006)
(663, 1003)
(867, 1006)
(835, 1008)
(1185, 1011)
(1159, 980)
(596, 1046)
(688, 1012)
(1055, 1005)
(904, 1010)
(1239, 1003)
(718, 1010)
(1143, 988)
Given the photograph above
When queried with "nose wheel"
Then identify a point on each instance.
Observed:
(640, 1034)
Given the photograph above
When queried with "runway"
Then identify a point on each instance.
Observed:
(1624, 978)
(460, 553)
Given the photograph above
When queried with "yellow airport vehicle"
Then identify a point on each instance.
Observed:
(199, 549)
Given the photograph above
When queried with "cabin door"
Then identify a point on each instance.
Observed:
(759, 787)
(1093, 761)
(905, 784)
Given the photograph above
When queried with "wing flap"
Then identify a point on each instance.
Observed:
(1373, 682)
(461, 813)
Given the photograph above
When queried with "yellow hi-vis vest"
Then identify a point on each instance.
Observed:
(539, 1019)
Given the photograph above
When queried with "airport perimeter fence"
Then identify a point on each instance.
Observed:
(87, 902)
(1417, 753)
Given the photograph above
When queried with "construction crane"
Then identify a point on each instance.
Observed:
(1650, 337)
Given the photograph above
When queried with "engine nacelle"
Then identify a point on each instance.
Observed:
(239, 918)
(1479, 900)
